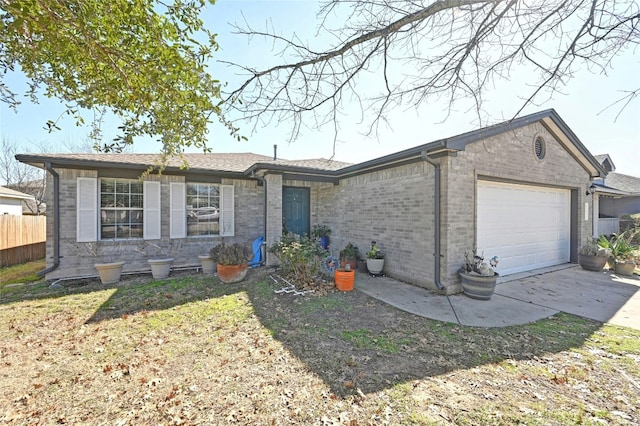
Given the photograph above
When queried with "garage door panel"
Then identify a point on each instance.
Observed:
(527, 227)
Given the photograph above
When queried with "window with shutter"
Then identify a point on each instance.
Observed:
(203, 209)
(227, 223)
(152, 212)
(121, 209)
(87, 209)
(177, 214)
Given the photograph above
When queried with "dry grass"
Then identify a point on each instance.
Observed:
(189, 350)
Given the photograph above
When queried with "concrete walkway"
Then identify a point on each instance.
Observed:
(520, 299)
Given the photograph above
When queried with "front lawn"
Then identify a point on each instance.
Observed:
(189, 350)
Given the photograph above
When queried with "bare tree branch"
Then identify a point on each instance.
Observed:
(405, 53)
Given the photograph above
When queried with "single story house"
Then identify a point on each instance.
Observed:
(517, 190)
(11, 201)
(615, 195)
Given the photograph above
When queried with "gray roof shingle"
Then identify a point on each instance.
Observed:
(224, 162)
(626, 183)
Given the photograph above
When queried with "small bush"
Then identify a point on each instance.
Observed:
(234, 254)
(300, 258)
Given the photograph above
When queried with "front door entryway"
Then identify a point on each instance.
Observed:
(295, 210)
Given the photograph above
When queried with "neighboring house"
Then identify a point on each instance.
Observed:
(517, 190)
(12, 201)
(615, 195)
(36, 188)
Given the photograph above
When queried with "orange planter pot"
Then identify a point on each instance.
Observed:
(232, 273)
(344, 279)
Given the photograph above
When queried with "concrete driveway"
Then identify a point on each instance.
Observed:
(520, 299)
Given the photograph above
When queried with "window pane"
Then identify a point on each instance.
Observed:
(107, 186)
(203, 212)
(107, 200)
(121, 214)
(122, 187)
(136, 188)
(137, 201)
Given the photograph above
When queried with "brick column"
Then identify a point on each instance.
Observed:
(274, 213)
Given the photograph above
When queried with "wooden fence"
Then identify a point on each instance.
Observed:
(22, 239)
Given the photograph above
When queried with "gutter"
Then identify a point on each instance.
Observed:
(56, 220)
(437, 220)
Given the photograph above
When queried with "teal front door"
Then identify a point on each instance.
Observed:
(295, 210)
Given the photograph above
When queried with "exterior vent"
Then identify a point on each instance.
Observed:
(539, 147)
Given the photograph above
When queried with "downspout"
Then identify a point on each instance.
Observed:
(56, 220)
(264, 221)
(436, 208)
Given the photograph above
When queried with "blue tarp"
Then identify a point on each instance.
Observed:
(257, 252)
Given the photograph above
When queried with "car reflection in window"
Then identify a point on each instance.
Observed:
(204, 214)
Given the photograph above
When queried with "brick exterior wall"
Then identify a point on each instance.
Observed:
(393, 207)
(510, 157)
(273, 184)
(78, 259)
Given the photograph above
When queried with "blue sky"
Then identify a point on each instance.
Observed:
(581, 103)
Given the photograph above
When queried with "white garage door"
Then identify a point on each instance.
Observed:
(527, 227)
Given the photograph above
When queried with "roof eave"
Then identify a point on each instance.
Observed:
(39, 161)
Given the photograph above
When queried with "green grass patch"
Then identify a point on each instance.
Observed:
(364, 339)
(332, 301)
(23, 273)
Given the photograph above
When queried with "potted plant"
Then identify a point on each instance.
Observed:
(109, 268)
(375, 260)
(207, 263)
(478, 277)
(159, 261)
(623, 251)
(593, 255)
(231, 261)
(348, 255)
(345, 278)
(321, 232)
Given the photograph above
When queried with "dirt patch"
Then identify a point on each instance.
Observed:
(190, 350)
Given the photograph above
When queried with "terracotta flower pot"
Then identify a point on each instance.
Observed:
(344, 279)
(232, 273)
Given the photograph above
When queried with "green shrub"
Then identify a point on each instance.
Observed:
(300, 258)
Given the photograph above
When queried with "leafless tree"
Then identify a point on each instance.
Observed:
(391, 53)
(28, 179)
(21, 177)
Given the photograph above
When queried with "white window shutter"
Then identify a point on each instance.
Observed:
(151, 210)
(178, 210)
(87, 210)
(227, 224)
